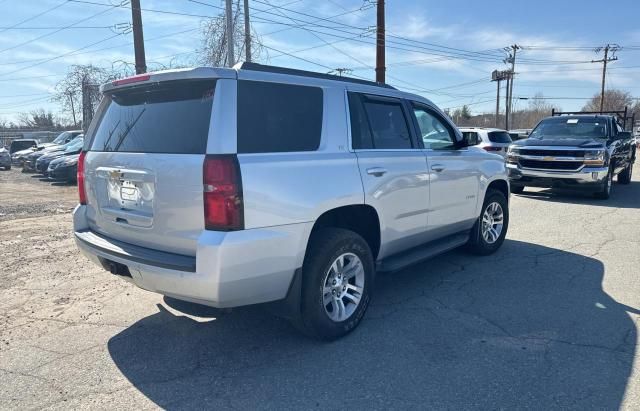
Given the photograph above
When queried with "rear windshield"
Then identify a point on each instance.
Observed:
(499, 137)
(170, 117)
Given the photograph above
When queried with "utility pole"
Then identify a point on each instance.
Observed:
(138, 37)
(247, 32)
(380, 35)
(608, 48)
(511, 59)
(230, 53)
(497, 102)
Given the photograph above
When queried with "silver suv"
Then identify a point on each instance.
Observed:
(257, 184)
(493, 140)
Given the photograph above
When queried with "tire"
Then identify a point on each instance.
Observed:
(605, 192)
(517, 188)
(322, 318)
(8, 167)
(625, 176)
(485, 242)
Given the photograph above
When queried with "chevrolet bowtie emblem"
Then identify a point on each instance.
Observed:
(548, 158)
(115, 174)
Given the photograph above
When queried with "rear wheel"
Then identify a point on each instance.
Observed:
(625, 176)
(338, 274)
(489, 231)
(517, 188)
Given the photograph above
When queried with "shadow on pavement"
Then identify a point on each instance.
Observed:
(622, 196)
(529, 327)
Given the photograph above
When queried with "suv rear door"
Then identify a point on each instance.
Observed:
(393, 169)
(143, 168)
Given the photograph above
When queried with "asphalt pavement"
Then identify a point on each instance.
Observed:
(548, 322)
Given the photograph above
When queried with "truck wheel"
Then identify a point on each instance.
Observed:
(517, 188)
(605, 192)
(337, 280)
(625, 176)
(489, 231)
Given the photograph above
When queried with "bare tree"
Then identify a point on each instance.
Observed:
(214, 43)
(614, 100)
(38, 119)
(81, 80)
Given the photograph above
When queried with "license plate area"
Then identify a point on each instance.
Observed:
(127, 196)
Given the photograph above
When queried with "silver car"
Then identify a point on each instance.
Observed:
(493, 140)
(5, 158)
(257, 184)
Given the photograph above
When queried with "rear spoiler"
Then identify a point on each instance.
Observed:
(170, 75)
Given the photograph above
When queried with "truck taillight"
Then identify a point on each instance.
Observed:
(223, 204)
(82, 193)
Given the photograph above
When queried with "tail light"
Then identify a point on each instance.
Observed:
(82, 193)
(223, 204)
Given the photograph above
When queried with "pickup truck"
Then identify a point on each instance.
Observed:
(575, 151)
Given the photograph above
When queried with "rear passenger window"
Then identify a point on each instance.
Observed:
(387, 124)
(499, 137)
(276, 118)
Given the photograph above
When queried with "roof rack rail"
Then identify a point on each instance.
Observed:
(296, 72)
(621, 114)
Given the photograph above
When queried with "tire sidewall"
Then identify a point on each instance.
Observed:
(314, 273)
(493, 197)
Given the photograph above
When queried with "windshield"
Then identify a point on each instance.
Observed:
(61, 137)
(74, 145)
(570, 127)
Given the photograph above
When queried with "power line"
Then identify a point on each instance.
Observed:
(35, 16)
(56, 31)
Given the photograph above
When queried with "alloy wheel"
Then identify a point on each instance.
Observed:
(343, 287)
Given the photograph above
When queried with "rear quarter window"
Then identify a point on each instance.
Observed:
(276, 118)
(170, 117)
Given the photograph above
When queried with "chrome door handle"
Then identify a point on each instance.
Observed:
(376, 171)
(437, 167)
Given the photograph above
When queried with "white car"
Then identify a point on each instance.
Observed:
(257, 184)
(493, 140)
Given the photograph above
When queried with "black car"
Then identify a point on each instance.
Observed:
(574, 150)
(74, 147)
(64, 168)
(64, 140)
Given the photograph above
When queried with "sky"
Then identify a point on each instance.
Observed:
(443, 50)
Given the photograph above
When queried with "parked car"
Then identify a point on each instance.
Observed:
(573, 151)
(492, 140)
(30, 161)
(64, 168)
(5, 159)
(73, 147)
(230, 187)
(20, 148)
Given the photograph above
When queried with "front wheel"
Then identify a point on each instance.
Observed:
(517, 188)
(489, 231)
(605, 192)
(337, 275)
(625, 176)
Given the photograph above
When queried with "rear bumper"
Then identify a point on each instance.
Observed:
(587, 177)
(229, 269)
